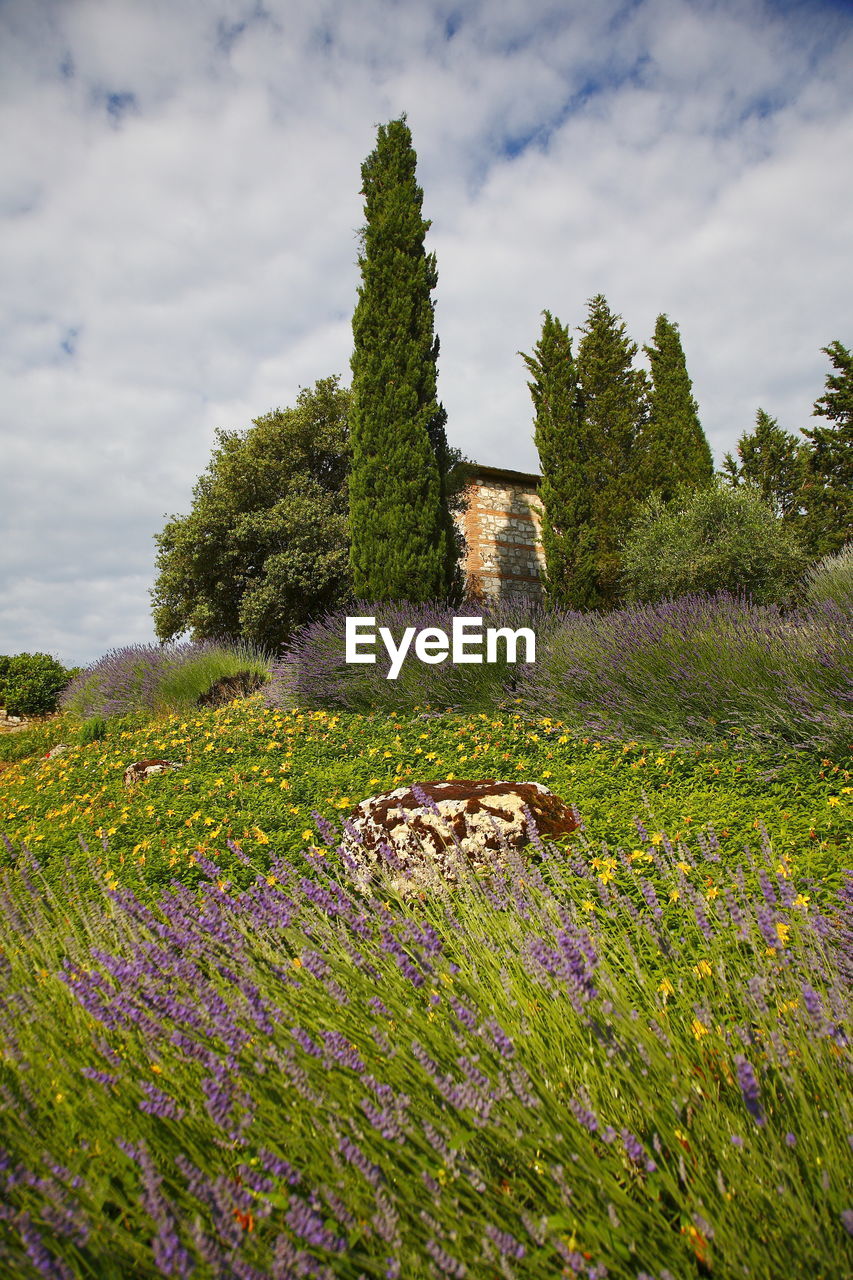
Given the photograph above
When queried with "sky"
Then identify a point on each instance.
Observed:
(179, 213)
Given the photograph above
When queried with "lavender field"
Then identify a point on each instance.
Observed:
(627, 1055)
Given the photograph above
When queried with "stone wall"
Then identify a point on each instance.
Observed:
(503, 532)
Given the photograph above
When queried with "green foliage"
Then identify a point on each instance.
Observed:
(403, 544)
(831, 579)
(4, 670)
(561, 436)
(708, 540)
(255, 776)
(155, 679)
(617, 1057)
(829, 475)
(774, 462)
(32, 683)
(92, 730)
(34, 741)
(265, 547)
(673, 450)
(613, 394)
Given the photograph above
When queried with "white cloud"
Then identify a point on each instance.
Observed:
(179, 202)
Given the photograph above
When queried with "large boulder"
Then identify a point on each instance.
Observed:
(419, 832)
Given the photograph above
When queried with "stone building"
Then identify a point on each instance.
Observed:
(502, 531)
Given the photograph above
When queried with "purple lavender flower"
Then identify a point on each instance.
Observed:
(159, 1103)
(811, 1001)
(583, 1115)
(356, 1157)
(749, 1088)
(446, 1264)
(507, 1244)
(308, 1225)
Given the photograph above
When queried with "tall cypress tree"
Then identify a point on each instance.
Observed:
(829, 473)
(568, 536)
(402, 545)
(674, 449)
(614, 396)
(773, 460)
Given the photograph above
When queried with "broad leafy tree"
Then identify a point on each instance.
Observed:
(568, 534)
(711, 539)
(614, 397)
(403, 542)
(265, 547)
(829, 473)
(674, 449)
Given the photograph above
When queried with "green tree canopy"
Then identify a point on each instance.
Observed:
(711, 539)
(265, 547)
(403, 541)
(568, 534)
(773, 461)
(674, 449)
(829, 472)
(614, 397)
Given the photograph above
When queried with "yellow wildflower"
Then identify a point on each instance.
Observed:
(699, 1029)
(702, 969)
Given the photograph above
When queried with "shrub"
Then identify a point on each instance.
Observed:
(32, 683)
(699, 668)
(4, 669)
(831, 579)
(157, 678)
(709, 540)
(92, 730)
(314, 671)
(693, 669)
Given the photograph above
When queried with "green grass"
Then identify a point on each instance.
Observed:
(254, 776)
(655, 1053)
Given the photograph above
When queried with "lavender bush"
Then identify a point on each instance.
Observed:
(155, 678)
(692, 669)
(314, 672)
(618, 1065)
(701, 667)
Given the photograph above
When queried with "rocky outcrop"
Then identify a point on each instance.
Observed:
(419, 832)
(224, 690)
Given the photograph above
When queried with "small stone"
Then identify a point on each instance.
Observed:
(58, 750)
(142, 769)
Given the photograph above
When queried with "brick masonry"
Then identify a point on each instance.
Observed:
(502, 529)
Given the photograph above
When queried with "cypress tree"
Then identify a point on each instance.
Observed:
(402, 545)
(568, 536)
(615, 412)
(829, 470)
(674, 449)
(773, 460)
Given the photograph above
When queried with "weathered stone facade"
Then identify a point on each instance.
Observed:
(502, 530)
